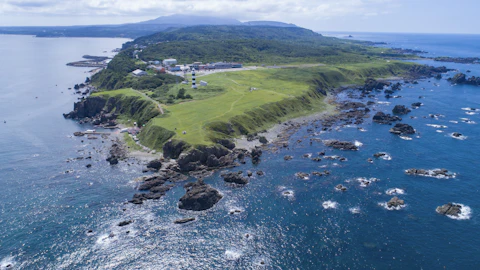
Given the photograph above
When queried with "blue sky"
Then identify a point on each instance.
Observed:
(415, 16)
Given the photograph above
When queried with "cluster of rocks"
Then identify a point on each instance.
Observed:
(117, 152)
(461, 78)
(395, 202)
(155, 184)
(341, 145)
(400, 109)
(199, 196)
(340, 187)
(400, 129)
(386, 119)
(416, 105)
(450, 209)
(235, 177)
(437, 173)
(372, 84)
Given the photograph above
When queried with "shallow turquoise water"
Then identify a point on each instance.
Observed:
(45, 213)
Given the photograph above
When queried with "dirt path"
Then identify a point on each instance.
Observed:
(151, 99)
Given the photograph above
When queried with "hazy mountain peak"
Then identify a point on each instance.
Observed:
(270, 23)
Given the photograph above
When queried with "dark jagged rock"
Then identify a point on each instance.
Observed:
(235, 177)
(422, 71)
(215, 156)
(340, 187)
(125, 223)
(372, 84)
(457, 135)
(400, 128)
(287, 157)
(184, 220)
(400, 109)
(140, 197)
(396, 86)
(78, 134)
(154, 165)
(88, 165)
(351, 105)
(117, 152)
(437, 173)
(302, 175)
(341, 145)
(88, 107)
(256, 154)
(227, 143)
(260, 173)
(173, 148)
(199, 197)
(450, 209)
(385, 119)
(380, 154)
(416, 105)
(395, 202)
(458, 78)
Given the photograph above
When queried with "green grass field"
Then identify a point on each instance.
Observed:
(255, 99)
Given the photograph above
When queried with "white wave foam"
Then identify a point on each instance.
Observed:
(464, 119)
(362, 129)
(439, 131)
(453, 121)
(290, 194)
(395, 191)
(437, 126)
(358, 144)
(329, 205)
(386, 156)
(383, 102)
(470, 113)
(461, 137)
(7, 261)
(406, 138)
(354, 210)
(471, 122)
(233, 255)
(470, 109)
(465, 213)
(385, 205)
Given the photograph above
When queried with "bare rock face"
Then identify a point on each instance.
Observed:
(386, 119)
(341, 145)
(400, 109)
(199, 197)
(450, 209)
(154, 165)
(235, 177)
(400, 128)
(395, 202)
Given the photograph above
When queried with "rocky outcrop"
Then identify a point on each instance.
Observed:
(395, 202)
(125, 223)
(457, 135)
(173, 148)
(400, 128)
(227, 143)
(450, 209)
(461, 78)
(155, 184)
(351, 105)
(416, 105)
(341, 145)
(340, 187)
(88, 107)
(422, 71)
(372, 84)
(437, 173)
(256, 154)
(154, 165)
(235, 177)
(117, 152)
(288, 157)
(184, 220)
(379, 154)
(201, 157)
(199, 197)
(400, 109)
(386, 119)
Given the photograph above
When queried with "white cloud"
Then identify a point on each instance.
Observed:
(283, 10)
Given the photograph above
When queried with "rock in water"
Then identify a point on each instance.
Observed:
(199, 197)
(400, 109)
(341, 145)
(125, 223)
(449, 209)
(340, 187)
(416, 105)
(184, 220)
(256, 154)
(385, 119)
(78, 134)
(154, 165)
(235, 177)
(395, 202)
(400, 128)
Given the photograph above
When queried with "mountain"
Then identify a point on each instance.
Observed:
(188, 20)
(132, 30)
(269, 23)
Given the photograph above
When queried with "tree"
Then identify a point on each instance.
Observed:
(188, 96)
(181, 93)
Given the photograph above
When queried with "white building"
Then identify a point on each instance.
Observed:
(139, 73)
(169, 62)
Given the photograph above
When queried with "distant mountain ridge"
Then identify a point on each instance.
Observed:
(132, 30)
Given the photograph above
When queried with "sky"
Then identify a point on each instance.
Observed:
(410, 16)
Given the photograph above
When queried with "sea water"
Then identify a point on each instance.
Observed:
(46, 213)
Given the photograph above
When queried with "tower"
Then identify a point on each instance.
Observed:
(194, 85)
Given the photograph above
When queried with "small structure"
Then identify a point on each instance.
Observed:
(159, 69)
(194, 85)
(222, 65)
(203, 83)
(169, 62)
(237, 65)
(139, 73)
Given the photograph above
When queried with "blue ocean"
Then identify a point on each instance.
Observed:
(50, 200)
